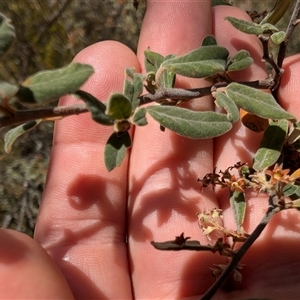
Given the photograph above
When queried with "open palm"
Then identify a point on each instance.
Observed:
(95, 227)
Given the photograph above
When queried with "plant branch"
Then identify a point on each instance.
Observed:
(22, 116)
(290, 29)
(273, 209)
(188, 94)
(268, 57)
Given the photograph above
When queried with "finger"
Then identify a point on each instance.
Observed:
(164, 193)
(82, 222)
(289, 85)
(272, 262)
(266, 261)
(240, 144)
(26, 271)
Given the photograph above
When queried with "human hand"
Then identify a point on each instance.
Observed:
(96, 226)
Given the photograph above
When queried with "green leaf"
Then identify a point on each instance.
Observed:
(139, 117)
(169, 56)
(7, 90)
(278, 37)
(209, 40)
(232, 111)
(269, 28)
(133, 87)
(47, 86)
(128, 88)
(188, 123)
(295, 196)
(296, 145)
(257, 102)
(11, 136)
(118, 107)
(7, 34)
(280, 8)
(115, 150)
(219, 2)
(167, 79)
(251, 27)
(96, 108)
(153, 61)
(238, 206)
(129, 72)
(294, 135)
(138, 86)
(271, 145)
(241, 60)
(292, 191)
(296, 204)
(202, 62)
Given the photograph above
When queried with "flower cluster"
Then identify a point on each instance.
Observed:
(273, 180)
(210, 221)
(235, 182)
(266, 180)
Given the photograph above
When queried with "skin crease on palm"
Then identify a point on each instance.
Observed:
(79, 250)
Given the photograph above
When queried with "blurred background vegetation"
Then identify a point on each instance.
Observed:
(49, 34)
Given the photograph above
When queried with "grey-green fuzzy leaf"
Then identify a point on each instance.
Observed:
(209, 40)
(271, 145)
(202, 62)
(11, 136)
(251, 27)
(7, 90)
(257, 102)
(278, 37)
(188, 123)
(238, 206)
(47, 86)
(241, 60)
(153, 61)
(118, 107)
(139, 117)
(96, 108)
(219, 2)
(232, 110)
(133, 87)
(167, 79)
(115, 150)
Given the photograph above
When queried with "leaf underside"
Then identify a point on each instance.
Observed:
(11, 136)
(96, 108)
